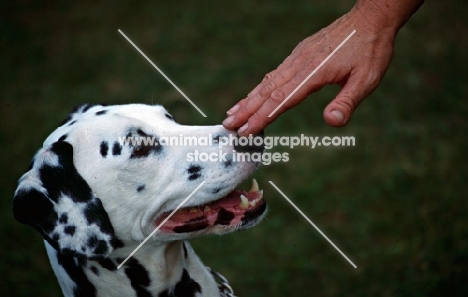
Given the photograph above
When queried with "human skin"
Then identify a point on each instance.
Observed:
(358, 66)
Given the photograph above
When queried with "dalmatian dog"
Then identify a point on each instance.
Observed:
(94, 199)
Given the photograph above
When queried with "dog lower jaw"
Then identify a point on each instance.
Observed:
(226, 214)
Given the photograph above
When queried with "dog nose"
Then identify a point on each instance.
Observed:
(250, 144)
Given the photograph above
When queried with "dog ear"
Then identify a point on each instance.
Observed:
(54, 198)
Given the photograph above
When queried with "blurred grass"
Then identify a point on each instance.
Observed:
(396, 203)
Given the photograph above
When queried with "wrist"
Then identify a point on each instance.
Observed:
(386, 15)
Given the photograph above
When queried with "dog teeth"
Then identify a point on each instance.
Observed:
(193, 209)
(253, 203)
(207, 208)
(254, 187)
(261, 194)
(244, 202)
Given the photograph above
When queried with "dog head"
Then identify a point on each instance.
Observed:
(106, 175)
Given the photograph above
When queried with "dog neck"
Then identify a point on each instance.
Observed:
(170, 269)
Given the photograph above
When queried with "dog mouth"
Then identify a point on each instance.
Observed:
(238, 209)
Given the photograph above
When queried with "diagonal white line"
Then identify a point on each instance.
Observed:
(312, 73)
(313, 225)
(162, 223)
(162, 73)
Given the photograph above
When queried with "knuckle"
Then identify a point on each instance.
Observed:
(242, 102)
(347, 103)
(268, 77)
(305, 64)
(373, 79)
(310, 64)
(278, 96)
(249, 106)
(242, 105)
(267, 89)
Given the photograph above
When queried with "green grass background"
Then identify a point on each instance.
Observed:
(396, 203)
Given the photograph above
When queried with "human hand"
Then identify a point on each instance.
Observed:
(358, 66)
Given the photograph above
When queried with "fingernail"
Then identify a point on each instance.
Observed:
(228, 121)
(233, 109)
(243, 128)
(338, 115)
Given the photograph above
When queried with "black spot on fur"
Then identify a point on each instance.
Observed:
(117, 243)
(224, 217)
(86, 107)
(82, 261)
(194, 169)
(251, 147)
(142, 133)
(101, 248)
(145, 149)
(194, 172)
(185, 250)
(186, 287)
(104, 147)
(101, 112)
(94, 213)
(67, 251)
(64, 180)
(219, 136)
(33, 208)
(227, 163)
(139, 277)
(76, 110)
(70, 115)
(169, 116)
(141, 151)
(116, 149)
(94, 270)
(141, 188)
(63, 218)
(148, 144)
(83, 287)
(92, 241)
(194, 176)
(70, 230)
(216, 191)
(108, 264)
(63, 137)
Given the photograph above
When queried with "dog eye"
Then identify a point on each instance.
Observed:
(141, 151)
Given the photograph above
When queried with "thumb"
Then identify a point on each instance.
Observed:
(339, 111)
